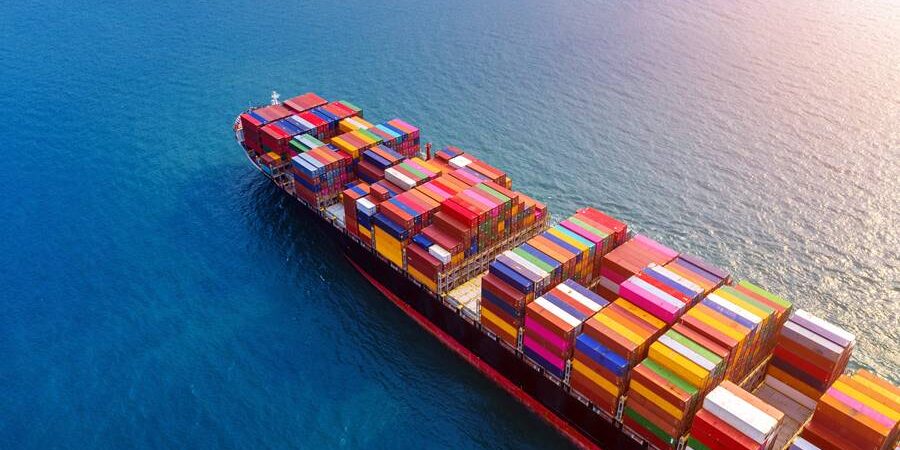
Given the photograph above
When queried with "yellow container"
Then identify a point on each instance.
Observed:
(589, 373)
(679, 365)
(500, 323)
(421, 278)
(673, 410)
(388, 247)
(346, 146)
(363, 231)
(880, 407)
(643, 315)
(621, 329)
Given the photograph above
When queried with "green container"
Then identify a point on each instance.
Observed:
(752, 287)
(699, 349)
(670, 376)
(695, 444)
(650, 426)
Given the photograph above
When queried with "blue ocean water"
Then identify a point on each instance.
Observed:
(158, 293)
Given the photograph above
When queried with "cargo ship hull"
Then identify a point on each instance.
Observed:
(505, 366)
(551, 401)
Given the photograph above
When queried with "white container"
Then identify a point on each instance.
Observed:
(366, 206)
(460, 161)
(399, 179)
(438, 252)
(743, 416)
(823, 328)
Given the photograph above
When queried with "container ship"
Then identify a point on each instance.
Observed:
(613, 338)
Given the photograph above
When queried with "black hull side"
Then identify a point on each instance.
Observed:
(602, 431)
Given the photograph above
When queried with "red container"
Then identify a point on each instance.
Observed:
(718, 435)
(250, 126)
(274, 139)
(446, 241)
(339, 110)
(304, 102)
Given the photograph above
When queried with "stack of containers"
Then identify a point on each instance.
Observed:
(353, 192)
(534, 267)
(611, 343)
(365, 212)
(304, 143)
(271, 162)
(782, 307)
(769, 313)
(604, 231)
(485, 210)
(411, 210)
(705, 275)
(422, 263)
(742, 324)
(375, 161)
(304, 102)
(277, 136)
(661, 292)
(355, 142)
(447, 153)
(398, 135)
(383, 190)
(627, 260)
(858, 412)
(411, 172)
(353, 123)
(473, 167)
(503, 297)
(323, 125)
(810, 354)
(399, 218)
(665, 389)
(553, 321)
(341, 110)
(320, 174)
(733, 419)
(253, 121)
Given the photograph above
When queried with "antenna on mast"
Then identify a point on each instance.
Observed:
(275, 96)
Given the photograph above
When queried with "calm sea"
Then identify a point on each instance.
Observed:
(158, 293)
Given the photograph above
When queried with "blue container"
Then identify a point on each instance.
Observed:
(453, 152)
(601, 355)
(262, 120)
(557, 372)
(401, 135)
(329, 117)
(289, 127)
(390, 227)
(423, 241)
(363, 220)
(728, 313)
(301, 126)
(510, 276)
(670, 283)
(520, 269)
(396, 202)
(376, 160)
(496, 301)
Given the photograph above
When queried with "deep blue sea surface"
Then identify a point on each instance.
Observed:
(158, 293)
